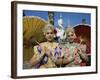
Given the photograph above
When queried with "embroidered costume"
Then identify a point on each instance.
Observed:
(41, 51)
(73, 53)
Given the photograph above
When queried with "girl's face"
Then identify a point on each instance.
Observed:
(71, 36)
(49, 35)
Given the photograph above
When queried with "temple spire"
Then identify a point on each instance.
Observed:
(60, 22)
(51, 17)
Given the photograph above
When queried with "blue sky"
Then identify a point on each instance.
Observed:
(72, 18)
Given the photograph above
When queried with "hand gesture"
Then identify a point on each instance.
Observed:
(47, 52)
